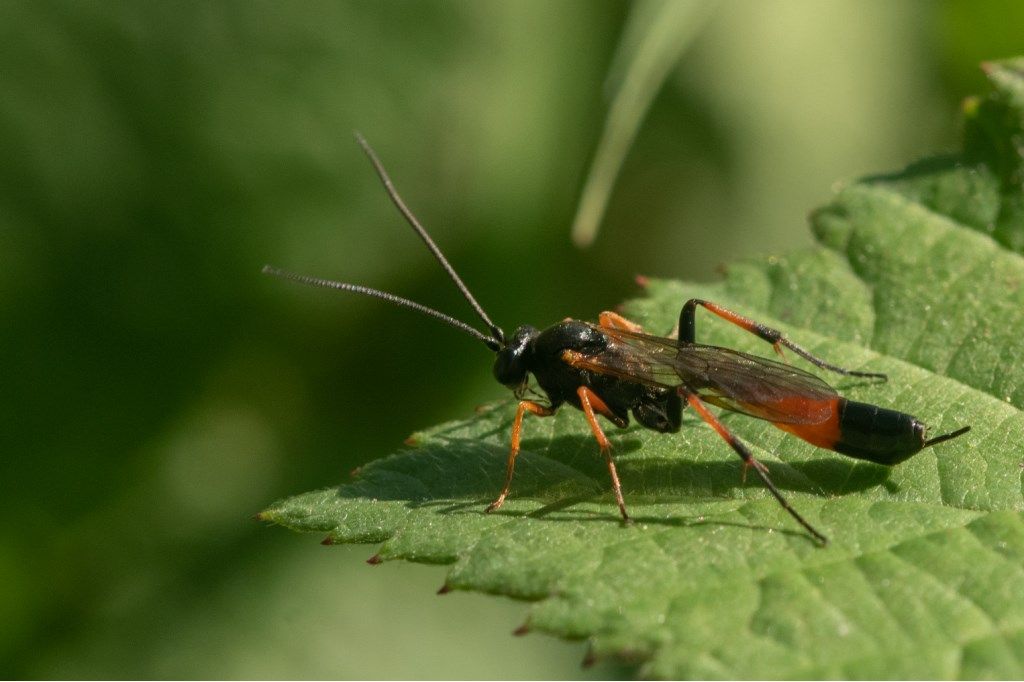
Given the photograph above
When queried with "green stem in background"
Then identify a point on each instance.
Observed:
(658, 33)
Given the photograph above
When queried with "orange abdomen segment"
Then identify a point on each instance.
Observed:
(823, 434)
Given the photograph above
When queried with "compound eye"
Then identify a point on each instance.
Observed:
(509, 368)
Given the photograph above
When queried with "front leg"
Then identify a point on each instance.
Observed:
(517, 427)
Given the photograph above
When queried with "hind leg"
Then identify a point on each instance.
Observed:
(687, 334)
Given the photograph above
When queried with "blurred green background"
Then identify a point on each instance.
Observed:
(157, 390)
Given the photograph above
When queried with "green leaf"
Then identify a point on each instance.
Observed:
(918, 275)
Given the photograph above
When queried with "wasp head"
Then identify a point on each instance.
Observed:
(512, 363)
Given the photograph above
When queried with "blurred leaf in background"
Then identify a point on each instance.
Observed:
(157, 390)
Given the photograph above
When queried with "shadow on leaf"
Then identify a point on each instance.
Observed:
(462, 475)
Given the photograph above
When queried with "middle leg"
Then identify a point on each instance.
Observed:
(590, 401)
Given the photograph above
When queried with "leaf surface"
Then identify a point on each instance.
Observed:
(919, 275)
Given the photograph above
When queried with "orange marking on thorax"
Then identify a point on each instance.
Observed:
(572, 357)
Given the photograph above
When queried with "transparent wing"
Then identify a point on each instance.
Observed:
(736, 381)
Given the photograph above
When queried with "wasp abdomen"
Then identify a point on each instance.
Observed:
(877, 434)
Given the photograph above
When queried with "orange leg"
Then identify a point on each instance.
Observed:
(687, 334)
(610, 320)
(748, 460)
(590, 402)
(517, 427)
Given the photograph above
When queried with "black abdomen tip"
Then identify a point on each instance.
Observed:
(878, 435)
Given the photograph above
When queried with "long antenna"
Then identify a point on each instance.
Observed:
(496, 331)
(492, 343)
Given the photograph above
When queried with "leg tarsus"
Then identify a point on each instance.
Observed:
(616, 486)
(748, 464)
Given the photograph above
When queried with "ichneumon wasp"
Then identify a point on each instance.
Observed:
(613, 369)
